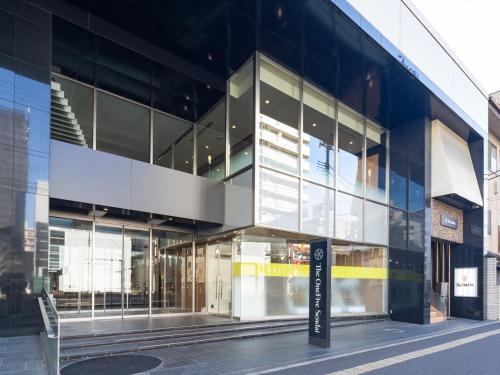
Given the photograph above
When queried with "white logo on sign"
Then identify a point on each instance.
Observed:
(318, 254)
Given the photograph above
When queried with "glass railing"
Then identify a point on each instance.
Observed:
(50, 336)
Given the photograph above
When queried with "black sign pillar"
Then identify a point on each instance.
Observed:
(320, 292)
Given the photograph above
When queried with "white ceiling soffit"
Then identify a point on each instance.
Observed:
(452, 168)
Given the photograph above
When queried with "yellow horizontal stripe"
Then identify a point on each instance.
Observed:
(302, 270)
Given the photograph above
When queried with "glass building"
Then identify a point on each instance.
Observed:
(163, 165)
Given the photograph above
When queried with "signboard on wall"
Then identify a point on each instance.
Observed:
(320, 266)
(449, 221)
(465, 284)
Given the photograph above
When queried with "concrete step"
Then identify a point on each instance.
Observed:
(98, 345)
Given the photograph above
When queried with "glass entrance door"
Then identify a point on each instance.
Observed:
(219, 293)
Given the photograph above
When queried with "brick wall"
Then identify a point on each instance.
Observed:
(442, 232)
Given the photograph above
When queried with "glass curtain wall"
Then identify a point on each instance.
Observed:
(116, 265)
(70, 264)
(322, 166)
(273, 274)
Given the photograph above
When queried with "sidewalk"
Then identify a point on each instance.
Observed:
(273, 351)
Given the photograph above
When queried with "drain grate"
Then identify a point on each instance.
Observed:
(119, 364)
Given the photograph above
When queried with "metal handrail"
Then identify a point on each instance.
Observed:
(51, 338)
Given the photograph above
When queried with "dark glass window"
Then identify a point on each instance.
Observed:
(122, 127)
(241, 115)
(123, 72)
(167, 135)
(398, 229)
(416, 232)
(211, 141)
(399, 168)
(72, 112)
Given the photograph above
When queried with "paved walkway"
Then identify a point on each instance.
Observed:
(275, 353)
(89, 327)
(21, 356)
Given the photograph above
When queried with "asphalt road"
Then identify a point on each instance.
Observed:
(474, 351)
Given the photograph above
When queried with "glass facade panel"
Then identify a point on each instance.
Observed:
(167, 135)
(350, 151)
(349, 217)
(108, 263)
(184, 152)
(376, 155)
(279, 200)
(317, 210)
(122, 127)
(211, 141)
(279, 119)
(72, 112)
(273, 274)
(136, 277)
(172, 272)
(318, 139)
(200, 280)
(70, 264)
(359, 283)
(241, 118)
(376, 223)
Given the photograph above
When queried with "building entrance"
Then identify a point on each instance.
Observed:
(219, 275)
(441, 277)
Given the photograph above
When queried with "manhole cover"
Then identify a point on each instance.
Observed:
(395, 330)
(119, 364)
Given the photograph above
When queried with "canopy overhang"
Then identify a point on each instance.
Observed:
(452, 173)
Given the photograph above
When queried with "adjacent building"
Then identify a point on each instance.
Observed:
(165, 158)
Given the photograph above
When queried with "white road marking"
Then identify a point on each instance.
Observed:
(413, 355)
(329, 357)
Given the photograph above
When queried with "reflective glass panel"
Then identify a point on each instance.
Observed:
(171, 283)
(349, 217)
(136, 256)
(359, 283)
(184, 152)
(273, 274)
(376, 222)
(70, 264)
(317, 209)
(72, 112)
(318, 138)
(241, 115)
(108, 260)
(376, 154)
(211, 140)
(122, 127)
(350, 151)
(168, 132)
(279, 200)
(279, 119)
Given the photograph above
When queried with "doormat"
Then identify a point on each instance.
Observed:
(119, 364)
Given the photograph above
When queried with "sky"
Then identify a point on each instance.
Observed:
(470, 28)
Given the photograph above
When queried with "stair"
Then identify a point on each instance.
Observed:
(437, 316)
(63, 122)
(104, 344)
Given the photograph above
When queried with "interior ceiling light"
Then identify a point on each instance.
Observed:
(187, 97)
(187, 162)
(208, 86)
(267, 101)
(185, 107)
(209, 56)
(206, 146)
(314, 124)
(350, 142)
(234, 126)
(279, 11)
(246, 153)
